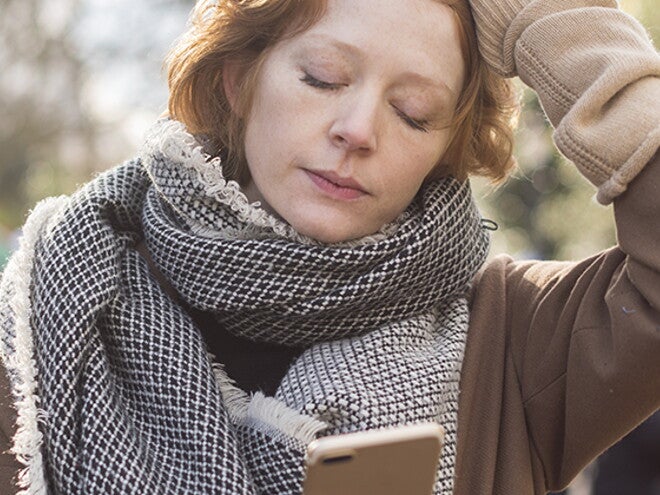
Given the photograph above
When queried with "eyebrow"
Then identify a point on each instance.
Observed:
(356, 53)
(428, 81)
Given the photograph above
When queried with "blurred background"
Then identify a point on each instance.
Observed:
(82, 80)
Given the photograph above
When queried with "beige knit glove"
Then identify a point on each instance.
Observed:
(596, 73)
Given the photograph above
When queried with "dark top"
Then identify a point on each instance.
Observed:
(254, 366)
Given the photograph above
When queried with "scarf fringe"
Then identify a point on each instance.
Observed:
(21, 365)
(235, 399)
(265, 414)
(279, 421)
(171, 139)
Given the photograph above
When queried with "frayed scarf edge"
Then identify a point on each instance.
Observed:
(19, 361)
(266, 414)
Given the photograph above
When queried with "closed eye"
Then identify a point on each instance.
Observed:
(417, 124)
(317, 83)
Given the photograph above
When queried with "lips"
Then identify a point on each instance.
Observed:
(335, 186)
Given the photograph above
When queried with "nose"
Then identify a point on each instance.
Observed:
(355, 127)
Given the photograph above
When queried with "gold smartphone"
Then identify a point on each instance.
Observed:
(397, 461)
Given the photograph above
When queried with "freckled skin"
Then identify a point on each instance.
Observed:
(361, 94)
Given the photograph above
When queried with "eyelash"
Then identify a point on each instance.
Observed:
(317, 83)
(418, 125)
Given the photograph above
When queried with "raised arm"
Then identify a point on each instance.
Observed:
(579, 364)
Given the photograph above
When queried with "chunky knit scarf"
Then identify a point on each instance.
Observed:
(114, 388)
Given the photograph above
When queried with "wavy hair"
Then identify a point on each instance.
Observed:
(240, 31)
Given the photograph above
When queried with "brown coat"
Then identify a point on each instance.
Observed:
(562, 359)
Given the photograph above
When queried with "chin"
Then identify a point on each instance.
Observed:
(327, 236)
(328, 232)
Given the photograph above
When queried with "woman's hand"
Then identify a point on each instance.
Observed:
(596, 73)
(501, 22)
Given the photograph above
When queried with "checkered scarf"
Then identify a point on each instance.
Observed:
(114, 388)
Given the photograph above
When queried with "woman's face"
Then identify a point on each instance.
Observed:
(350, 116)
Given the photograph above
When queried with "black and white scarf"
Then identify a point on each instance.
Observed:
(114, 389)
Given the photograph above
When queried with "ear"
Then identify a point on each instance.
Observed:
(231, 72)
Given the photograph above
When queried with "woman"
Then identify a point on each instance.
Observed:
(352, 296)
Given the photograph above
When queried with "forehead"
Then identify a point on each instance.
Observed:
(394, 36)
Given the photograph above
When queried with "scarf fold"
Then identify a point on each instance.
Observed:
(129, 401)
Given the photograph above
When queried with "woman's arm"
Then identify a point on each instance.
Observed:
(582, 349)
(562, 358)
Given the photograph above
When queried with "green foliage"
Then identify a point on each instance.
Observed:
(546, 210)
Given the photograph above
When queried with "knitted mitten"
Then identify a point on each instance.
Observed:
(596, 73)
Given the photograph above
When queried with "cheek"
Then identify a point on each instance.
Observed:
(265, 137)
(433, 158)
(409, 171)
(415, 166)
(282, 124)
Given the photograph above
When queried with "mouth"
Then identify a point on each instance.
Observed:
(335, 186)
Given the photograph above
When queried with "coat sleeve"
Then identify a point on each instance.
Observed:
(562, 358)
(585, 339)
